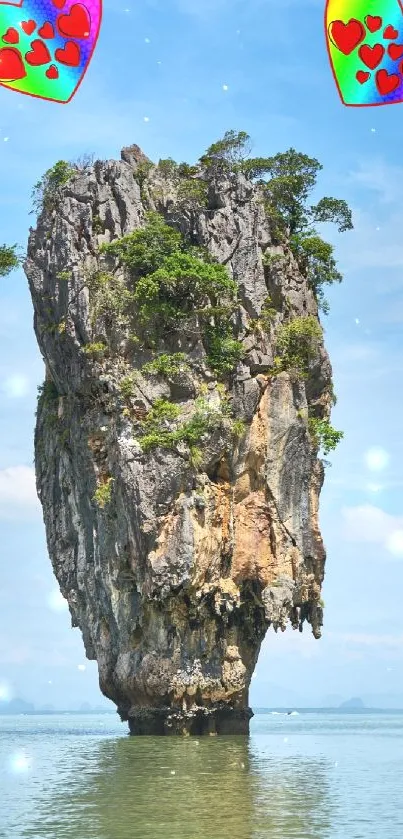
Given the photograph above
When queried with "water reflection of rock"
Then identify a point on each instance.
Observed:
(292, 796)
(224, 788)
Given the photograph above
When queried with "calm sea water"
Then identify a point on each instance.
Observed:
(312, 776)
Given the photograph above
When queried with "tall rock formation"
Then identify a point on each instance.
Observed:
(174, 560)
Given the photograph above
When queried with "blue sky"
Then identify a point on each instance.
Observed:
(173, 76)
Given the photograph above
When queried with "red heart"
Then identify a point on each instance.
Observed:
(362, 77)
(28, 26)
(390, 33)
(52, 72)
(371, 56)
(70, 55)
(46, 31)
(11, 36)
(38, 55)
(11, 65)
(395, 51)
(346, 36)
(76, 24)
(386, 83)
(21, 64)
(373, 22)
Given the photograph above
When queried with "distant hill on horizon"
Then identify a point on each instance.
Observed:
(354, 703)
(376, 702)
(20, 706)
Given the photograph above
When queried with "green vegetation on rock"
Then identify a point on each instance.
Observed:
(103, 493)
(127, 386)
(169, 366)
(297, 344)
(192, 194)
(142, 172)
(168, 286)
(323, 435)
(267, 316)
(47, 391)
(46, 190)
(98, 226)
(143, 251)
(48, 398)
(96, 350)
(287, 181)
(172, 283)
(316, 261)
(109, 298)
(162, 428)
(168, 168)
(8, 259)
(223, 351)
(227, 156)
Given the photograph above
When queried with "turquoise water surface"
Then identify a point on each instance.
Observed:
(306, 776)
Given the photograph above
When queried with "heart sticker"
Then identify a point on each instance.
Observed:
(46, 46)
(365, 47)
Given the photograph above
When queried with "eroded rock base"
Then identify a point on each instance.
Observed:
(203, 721)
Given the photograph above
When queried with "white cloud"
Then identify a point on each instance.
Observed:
(379, 177)
(304, 645)
(363, 249)
(51, 652)
(369, 524)
(375, 240)
(394, 543)
(357, 352)
(209, 7)
(375, 488)
(18, 492)
(368, 639)
(13, 652)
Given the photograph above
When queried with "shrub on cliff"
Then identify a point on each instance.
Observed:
(323, 435)
(184, 283)
(227, 156)
(168, 365)
(192, 194)
(297, 344)
(173, 282)
(45, 191)
(145, 250)
(162, 427)
(8, 259)
(291, 178)
(287, 180)
(110, 298)
(103, 492)
(317, 263)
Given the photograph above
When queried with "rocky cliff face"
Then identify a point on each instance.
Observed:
(173, 570)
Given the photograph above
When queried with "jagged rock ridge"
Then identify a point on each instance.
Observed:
(176, 580)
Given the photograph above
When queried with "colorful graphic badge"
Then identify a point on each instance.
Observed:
(365, 45)
(47, 45)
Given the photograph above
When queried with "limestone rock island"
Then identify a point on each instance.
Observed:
(178, 429)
